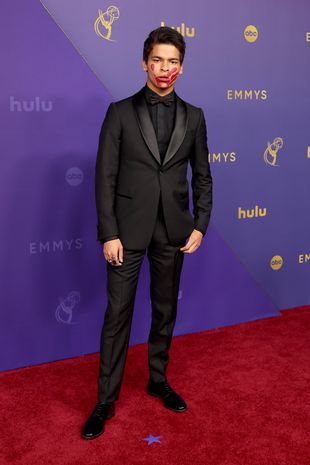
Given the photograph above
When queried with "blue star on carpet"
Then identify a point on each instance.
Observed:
(152, 439)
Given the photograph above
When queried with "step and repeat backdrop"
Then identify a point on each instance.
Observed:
(247, 64)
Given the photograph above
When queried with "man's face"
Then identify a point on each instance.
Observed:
(163, 68)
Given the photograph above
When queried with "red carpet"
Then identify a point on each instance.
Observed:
(247, 389)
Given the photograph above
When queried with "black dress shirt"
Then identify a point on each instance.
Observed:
(163, 118)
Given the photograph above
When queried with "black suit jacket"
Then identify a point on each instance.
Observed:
(130, 176)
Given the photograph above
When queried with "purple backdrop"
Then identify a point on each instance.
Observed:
(247, 66)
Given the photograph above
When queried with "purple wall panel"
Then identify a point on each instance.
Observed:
(59, 76)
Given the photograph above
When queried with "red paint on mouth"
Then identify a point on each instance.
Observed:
(169, 79)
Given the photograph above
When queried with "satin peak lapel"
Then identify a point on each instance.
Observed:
(179, 130)
(145, 123)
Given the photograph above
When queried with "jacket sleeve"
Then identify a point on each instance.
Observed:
(107, 166)
(106, 239)
(201, 177)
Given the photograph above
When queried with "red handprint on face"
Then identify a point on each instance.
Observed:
(168, 78)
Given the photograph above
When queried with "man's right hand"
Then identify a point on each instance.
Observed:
(113, 252)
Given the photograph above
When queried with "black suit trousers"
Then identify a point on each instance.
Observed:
(165, 264)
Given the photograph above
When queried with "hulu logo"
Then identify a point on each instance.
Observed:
(185, 31)
(256, 212)
(30, 105)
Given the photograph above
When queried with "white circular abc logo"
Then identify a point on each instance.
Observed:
(250, 33)
(74, 176)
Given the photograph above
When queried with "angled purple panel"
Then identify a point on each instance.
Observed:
(58, 80)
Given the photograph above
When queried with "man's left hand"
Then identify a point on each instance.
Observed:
(193, 242)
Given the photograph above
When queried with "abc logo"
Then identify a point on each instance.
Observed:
(74, 176)
(276, 262)
(250, 33)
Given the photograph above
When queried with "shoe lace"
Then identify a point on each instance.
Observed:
(100, 409)
(167, 388)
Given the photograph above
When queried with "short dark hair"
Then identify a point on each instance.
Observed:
(164, 35)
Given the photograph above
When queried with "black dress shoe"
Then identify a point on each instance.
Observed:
(94, 426)
(170, 398)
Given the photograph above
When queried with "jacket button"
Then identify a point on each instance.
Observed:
(161, 171)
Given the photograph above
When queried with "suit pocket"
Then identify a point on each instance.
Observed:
(120, 194)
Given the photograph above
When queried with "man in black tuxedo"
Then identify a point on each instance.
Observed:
(142, 199)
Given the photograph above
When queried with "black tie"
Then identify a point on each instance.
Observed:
(166, 99)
